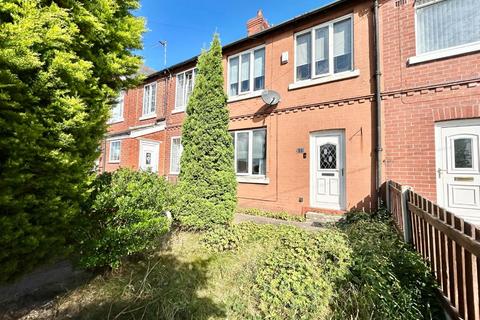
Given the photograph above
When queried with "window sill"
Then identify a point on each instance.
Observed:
(253, 179)
(174, 173)
(115, 121)
(326, 79)
(178, 111)
(444, 53)
(114, 161)
(148, 116)
(245, 96)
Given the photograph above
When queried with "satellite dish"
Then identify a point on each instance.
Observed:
(270, 97)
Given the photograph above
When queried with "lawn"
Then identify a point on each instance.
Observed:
(248, 271)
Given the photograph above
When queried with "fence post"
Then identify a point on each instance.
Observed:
(407, 227)
(387, 196)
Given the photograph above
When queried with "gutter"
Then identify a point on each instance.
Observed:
(378, 101)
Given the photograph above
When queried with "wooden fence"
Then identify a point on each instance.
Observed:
(450, 246)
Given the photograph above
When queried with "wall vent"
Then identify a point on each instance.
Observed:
(399, 3)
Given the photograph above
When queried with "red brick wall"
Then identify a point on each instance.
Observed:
(417, 96)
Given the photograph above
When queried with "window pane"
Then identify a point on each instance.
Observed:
(153, 97)
(463, 153)
(304, 59)
(259, 69)
(245, 73)
(321, 51)
(188, 86)
(180, 87)
(447, 23)
(115, 151)
(242, 152)
(176, 154)
(233, 75)
(146, 99)
(342, 46)
(117, 110)
(259, 152)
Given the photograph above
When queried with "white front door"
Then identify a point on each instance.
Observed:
(327, 189)
(149, 155)
(458, 172)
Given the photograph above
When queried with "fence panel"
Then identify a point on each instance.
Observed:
(450, 245)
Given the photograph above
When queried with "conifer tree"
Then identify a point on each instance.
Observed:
(62, 64)
(207, 182)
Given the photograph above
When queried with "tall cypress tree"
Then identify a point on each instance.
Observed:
(207, 183)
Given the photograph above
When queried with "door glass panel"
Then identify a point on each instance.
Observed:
(463, 153)
(148, 158)
(328, 156)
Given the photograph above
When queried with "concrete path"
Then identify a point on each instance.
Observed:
(307, 225)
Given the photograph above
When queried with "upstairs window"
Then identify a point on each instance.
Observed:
(443, 24)
(149, 99)
(176, 150)
(246, 72)
(117, 109)
(114, 156)
(185, 83)
(324, 50)
(250, 152)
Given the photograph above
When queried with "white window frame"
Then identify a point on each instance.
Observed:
(311, 30)
(178, 108)
(121, 97)
(251, 79)
(440, 53)
(110, 153)
(250, 152)
(171, 152)
(149, 114)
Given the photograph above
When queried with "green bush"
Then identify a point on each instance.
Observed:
(62, 64)
(387, 280)
(207, 183)
(123, 216)
(295, 277)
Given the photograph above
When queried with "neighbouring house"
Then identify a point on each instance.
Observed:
(313, 151)
(431, 100)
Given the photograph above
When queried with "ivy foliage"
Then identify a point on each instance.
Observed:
(62, 63)
(122, 216)
(207, 182)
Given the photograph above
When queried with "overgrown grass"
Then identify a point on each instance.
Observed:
(248, 271)
(282, 215)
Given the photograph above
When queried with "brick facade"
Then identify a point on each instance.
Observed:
(345, 105)
(417, 96)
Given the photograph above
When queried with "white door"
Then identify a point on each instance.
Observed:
(458, 172)
(327, 189)
(149, 155)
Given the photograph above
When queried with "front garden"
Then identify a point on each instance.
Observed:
(359, 269)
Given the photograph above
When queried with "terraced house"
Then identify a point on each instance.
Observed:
(318, 148)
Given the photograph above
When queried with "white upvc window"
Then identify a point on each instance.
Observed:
(114, 156)
(184, 88)
(250, 152)
(176, 150)
(324, 50)
(446, 24)
(117, 109)
(246, 72)
(149, 99)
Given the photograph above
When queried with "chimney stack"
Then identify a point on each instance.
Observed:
(257, 24)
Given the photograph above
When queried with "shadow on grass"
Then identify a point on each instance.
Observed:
(162, 289)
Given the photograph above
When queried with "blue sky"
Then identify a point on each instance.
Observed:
(187, 26)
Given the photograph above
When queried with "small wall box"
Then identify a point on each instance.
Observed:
(284, 58)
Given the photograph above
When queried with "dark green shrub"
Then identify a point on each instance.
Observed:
(62, 63)
(123, 216)
(207, 182)
(387, 280)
